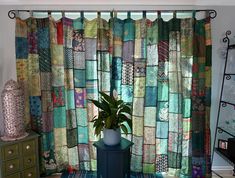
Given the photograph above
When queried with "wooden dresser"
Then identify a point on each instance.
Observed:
(19, 159)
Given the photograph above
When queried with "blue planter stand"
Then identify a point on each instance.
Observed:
(113, 161)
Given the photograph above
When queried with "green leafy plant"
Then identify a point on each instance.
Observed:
(113, 114)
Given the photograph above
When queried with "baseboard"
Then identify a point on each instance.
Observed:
(218, 168)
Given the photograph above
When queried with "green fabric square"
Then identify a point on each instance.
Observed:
(148, 168)
(59, 117)
(186, 167)
(151, 76)
(72, 138)
(79, 78)
(162, 112)
(162, 130)
(91, 70)
(82, 135)
(48, 141)
(162, 146)
(103, 61)
(71, 119)
(81, 114)
(162, 91)
(175, 103)
(57, 75)
(187, 107)
(70, 103)
(150, 116)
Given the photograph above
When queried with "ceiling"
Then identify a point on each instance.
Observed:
(121, 2)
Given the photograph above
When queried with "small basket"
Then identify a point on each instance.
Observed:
(13, 111)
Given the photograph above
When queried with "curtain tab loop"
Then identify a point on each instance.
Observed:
(63, 14)
(82, 14)
(174, 14)
(194, 14)
(144, 14)
(49, 13)
(31, 13)
(98, 14)
(128, 14)
(159, 14)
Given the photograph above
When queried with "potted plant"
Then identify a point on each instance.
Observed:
(114, 116)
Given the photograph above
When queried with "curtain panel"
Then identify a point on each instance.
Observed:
(162, 68)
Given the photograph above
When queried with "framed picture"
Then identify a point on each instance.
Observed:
(222, 144)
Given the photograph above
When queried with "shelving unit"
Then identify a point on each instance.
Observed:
(225, 126)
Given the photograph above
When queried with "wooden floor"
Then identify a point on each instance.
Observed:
(225, 174)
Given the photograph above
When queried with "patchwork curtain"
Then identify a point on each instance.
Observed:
(163, 69)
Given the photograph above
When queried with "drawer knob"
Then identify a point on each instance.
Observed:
(10, 152)
(27, 147)
(30, 174)
(11, 166)
(29, 160)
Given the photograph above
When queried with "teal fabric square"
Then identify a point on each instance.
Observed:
(91, 70)
(83, 135)
(162, 130)
(79, 78)
(104, 61)
(129, 29)
(162, 111)
(127, 93)
(70, 104)
(175, 103)
(59, 117)
(118, 30)
(117, 68)
(48, 141)
(116, 85)
(163, 146)
(163, 90)
(77, 24)
(81, 114)
(21, 48)
(151, 96)
(71, 119)
(151, 76)
(92, 89)
(187, 107)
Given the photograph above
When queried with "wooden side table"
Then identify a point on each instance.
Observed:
(113, 161)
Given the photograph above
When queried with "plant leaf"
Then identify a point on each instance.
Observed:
(124, 129)
(108, 98)
(98, 104)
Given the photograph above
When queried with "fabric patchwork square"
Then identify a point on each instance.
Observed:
(138, 49)
(151, 96)
(57, 55)
(116, 85)
(149, 135)
(80, 97)
(186, 166)
(68, 36)
(174, 160)
(116, 68)
(46, 83)
(91, 70)
(82, 135)
(21, 28)
(43, 38)
(148, 168)
(22, 69)
(58, 96)
(81, 114)
(105, 81)
(84, 165)
(138, 107)
(149, 153)
(35, 106)
(139, 69)
(162, 112)
(152, 55)
(162, 163)
(92, 89)
(151, 76)
(127, 74)
(139, 86)
(61, 155)
(79, 60)
(47, 122)
(186, 66)
(73, 157)
(78, 40)
(60, 137)
(127, 93)
(72, 138)
(187, 104)
(162, 130)
(150, 116)
(70, 103)
(48, 140)
(136, 163)
(175, 82)
(137, 147)
(174, 142)
(79, 78)
(44, 59)
(129, 30)
(57, 76)
(32, 42)
(36, 122)
(92, 137)
(175, 101)
(163, 90)
(71, 119)
(128, 51)
(69, 79)
(83, 152)
(59, 117)
(91, 29)
(117, 48)
(21, 48)
(152, 32)
(118, 30)
(175, 122)
(90, 45)
(138, 124)
(187, 148)
(92, 111)
(68, 58)
(103, 39)
(47, 104)
(104, 61)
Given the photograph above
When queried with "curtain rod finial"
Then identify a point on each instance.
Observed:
(212, 14)
(12, 14)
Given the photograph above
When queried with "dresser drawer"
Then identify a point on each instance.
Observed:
(28, 147)
(11, 151)
(30, 173)
(14, 176)
(29, 161)
(12, 166)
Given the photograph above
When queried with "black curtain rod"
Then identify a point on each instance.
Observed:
(211, 12)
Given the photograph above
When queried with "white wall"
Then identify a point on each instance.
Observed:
(224, 21)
